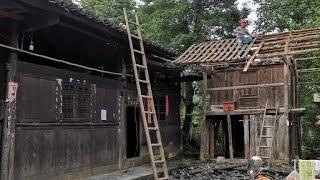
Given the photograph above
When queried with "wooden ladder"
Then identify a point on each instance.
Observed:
(148, 113)
(268, 123)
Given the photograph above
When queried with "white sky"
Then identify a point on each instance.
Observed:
(253, 15)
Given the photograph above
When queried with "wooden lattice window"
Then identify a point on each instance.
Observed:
(76, 102)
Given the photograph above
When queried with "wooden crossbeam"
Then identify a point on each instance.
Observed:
(245, 87)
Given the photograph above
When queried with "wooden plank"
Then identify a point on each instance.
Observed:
(230, 136)
(253, 57)
(245, 87)
(246, 137)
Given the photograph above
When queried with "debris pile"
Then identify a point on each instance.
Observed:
(221, 171)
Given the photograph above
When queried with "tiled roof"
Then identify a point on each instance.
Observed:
(76, 10)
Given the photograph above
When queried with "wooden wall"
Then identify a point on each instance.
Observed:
(249, 98)
(48, 144)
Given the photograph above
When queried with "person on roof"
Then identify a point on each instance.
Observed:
(243, 35)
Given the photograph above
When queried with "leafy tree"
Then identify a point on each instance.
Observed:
(287, 14)
(111, 10)
(182, 23)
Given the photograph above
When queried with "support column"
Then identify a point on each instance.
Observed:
(8, 140)
(286, 100)
(246, 137)
(230, 136)
(204, 148)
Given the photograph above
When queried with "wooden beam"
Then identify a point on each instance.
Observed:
(8, 137)
(307, 58)
(230, 136)
(204, 129)
(246, 137)
(308, 70)
(286, 100)
(245, 87)
(253, 57)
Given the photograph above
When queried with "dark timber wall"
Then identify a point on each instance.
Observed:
(249, 98)
(59, 130)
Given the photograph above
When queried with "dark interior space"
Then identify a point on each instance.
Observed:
(133, 129)
(238, 136)
(221, 136)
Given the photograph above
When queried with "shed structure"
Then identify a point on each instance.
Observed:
(252, 93)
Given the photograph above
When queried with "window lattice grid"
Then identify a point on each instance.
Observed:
(76, 102)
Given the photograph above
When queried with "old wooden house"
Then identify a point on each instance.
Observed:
(68, 100)
(252, 93)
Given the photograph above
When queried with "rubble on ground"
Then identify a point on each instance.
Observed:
(223, 170)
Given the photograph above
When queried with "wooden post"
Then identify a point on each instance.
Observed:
(230, 136)
(246, 137)
(7, 161)
(286, 80)
(253, 132)
(204, 129)
(212, 139)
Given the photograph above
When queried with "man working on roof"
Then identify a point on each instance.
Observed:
(243, 36)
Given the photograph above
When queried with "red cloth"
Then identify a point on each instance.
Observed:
(167, 106)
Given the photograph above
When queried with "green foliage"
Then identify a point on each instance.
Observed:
(111, 10)
(182, 23)
(287, 14)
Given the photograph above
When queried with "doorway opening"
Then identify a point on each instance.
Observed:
(218, 135)
(133, 132)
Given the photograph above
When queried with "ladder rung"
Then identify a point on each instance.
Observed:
(163, 178)
(267, 126)
(152, 128)
(147, 97)
(137, 37)
(137, 51)
(157, 144)
(149, 112)
(141, 66)
(159, 161)
(266, 136)
(134, 23)
(143, 81)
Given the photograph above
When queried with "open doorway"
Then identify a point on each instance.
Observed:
(133, 132)
(237, 136)
(218, 135)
